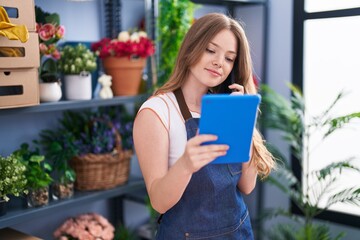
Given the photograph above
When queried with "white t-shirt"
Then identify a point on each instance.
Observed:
(167, 110)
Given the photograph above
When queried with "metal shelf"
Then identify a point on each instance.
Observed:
(70, 105)
(226, 2)
(18, 213)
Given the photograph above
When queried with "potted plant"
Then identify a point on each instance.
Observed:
(76, 63)
(288, 116)
(50, 33)
(59, 153)
(12, 179)
(96, 140)
(37, 175)
(124, 59)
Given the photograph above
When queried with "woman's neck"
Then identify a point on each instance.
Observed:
(192, 93)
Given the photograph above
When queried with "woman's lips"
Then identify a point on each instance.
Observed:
(213, 72)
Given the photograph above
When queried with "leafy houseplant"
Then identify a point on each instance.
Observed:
(37, 175)
(12, 177)
(289, 118)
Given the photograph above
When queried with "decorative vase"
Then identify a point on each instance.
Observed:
(126, 74)
(38, 197)
(78, 87)
(3, 207)
(62, 190)
(50, 91)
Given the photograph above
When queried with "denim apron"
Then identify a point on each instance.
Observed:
(212, 206)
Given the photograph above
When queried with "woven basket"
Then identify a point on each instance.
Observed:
(102, 171)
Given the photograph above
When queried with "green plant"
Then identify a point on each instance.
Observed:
(76, 59)
(12, 177)
(85, 132)
(37, 171)
(58, 153)
(288, 116)
(175, 19)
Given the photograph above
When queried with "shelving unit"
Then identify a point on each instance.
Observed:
(17, 213)
(72, 105)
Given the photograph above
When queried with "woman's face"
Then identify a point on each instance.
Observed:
(217, 61)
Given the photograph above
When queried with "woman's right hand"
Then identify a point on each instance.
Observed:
(197, 155)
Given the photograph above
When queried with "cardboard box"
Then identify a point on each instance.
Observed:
(19, 87)
(12, 234)
(29, 56)
(21, 12)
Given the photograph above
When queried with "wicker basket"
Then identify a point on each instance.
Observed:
(102, 171)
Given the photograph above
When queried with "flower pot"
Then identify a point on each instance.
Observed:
(62, 190)
(50, 91)
(38, 197)
(126, 74)
(78, 87)
(3, 207)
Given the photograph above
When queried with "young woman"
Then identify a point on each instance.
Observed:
(199, 200)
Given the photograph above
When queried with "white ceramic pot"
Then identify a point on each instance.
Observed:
(78, 87)
(50, 92)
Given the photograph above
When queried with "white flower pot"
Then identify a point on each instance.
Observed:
(78, 87)
(50, 92)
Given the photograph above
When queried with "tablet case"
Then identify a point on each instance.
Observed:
(232, 118)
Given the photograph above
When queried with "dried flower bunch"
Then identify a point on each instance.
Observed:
(85, 226)
(12, 177)
(135, 44)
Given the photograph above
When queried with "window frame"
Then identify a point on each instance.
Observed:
(299, 18)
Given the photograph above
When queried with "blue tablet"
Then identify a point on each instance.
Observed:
(232, 118)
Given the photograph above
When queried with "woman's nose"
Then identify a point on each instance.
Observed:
(217, 63)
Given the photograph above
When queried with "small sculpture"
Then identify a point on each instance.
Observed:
(105, 82)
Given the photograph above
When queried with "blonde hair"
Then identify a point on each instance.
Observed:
(194, 45)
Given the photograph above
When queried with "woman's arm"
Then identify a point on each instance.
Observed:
(248, 177)
(166, 185)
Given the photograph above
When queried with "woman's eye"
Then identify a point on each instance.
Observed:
(229, 59)
(209, 50)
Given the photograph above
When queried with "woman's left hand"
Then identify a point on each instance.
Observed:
(237, 89)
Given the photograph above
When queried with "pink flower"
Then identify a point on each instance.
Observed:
(60, 32)
(46, 31)
(86, 227)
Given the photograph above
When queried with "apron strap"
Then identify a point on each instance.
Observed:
(182, 104)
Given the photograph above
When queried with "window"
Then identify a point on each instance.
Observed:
(326, 61)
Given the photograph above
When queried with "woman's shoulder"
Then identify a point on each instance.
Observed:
(158, 101)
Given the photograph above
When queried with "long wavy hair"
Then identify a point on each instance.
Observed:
(193, 47)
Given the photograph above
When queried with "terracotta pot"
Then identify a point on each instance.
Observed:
(126, 74)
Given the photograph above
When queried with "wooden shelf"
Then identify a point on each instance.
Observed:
(17, 212)
(70, 105)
